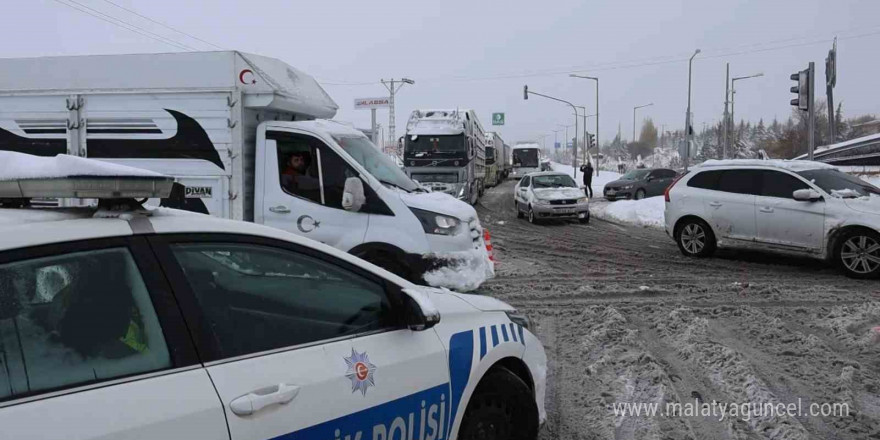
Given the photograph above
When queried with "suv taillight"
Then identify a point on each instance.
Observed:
(668, 188)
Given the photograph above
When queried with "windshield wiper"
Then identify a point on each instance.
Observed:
(385, 182)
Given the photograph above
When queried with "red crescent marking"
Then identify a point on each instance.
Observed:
(241, 75)
(361, 371)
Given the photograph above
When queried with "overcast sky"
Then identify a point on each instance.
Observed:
(479, 54)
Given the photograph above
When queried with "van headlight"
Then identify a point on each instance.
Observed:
(434, 223)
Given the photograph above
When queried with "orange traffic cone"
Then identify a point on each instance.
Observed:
(488, 239)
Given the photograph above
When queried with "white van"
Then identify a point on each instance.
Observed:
(241, 134)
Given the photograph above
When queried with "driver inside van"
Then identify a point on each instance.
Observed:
(295, 177)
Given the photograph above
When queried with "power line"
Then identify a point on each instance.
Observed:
(123, 24)
(162, 24)
(653, 61)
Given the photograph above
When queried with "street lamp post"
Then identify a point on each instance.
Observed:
(597, 114)
(585, 116)
(634, 117)
(733, 104)
(527, 92)
(687, 119)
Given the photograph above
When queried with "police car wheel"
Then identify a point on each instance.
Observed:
(501, 408)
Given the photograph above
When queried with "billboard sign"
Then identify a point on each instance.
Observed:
(367, 103)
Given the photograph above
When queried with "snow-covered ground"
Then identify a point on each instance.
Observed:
(646, 212)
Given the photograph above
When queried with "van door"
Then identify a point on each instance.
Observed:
(303, 181)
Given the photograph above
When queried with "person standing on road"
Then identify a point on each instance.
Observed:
(587, 170)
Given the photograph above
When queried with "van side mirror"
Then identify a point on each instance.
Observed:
(421, 313)
(806, 195)
(353, 198)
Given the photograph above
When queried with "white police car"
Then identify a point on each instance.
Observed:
(122, 322)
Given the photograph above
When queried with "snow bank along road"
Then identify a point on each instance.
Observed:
(627, 319)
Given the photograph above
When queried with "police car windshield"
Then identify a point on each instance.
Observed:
(375, 162)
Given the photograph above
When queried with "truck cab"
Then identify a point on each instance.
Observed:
(445, 151)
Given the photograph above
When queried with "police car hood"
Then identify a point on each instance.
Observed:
(440, 203)
(558, 193)
(479, 302)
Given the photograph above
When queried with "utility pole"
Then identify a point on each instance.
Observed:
(726, 123)
(812, 111)
(392, 89)
(687, 121)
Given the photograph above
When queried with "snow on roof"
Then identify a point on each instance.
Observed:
(20, 166)
(869, 138)
(526, 145)
(439, 122)
(791, 165)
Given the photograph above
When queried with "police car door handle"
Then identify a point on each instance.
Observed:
(280, 209)
(256, 400)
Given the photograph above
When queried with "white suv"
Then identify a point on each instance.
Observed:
(122, 322)
(794, 207)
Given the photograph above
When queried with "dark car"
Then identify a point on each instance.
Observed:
(638, 184)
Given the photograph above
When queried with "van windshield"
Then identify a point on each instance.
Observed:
(375, 162)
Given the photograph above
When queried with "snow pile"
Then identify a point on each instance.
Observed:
(464, 271)
(20, 166)
(791, 165)
(646, 212)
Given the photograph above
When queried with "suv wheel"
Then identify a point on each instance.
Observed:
(501, 408)
(640, 194)
(695, 239)
(859, 253)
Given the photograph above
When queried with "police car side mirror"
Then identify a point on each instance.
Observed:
(353, 198)
(420, 312)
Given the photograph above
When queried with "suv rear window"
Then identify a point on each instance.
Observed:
(740, 181)
(705, 180)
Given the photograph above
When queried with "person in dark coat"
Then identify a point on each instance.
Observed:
(587, 170)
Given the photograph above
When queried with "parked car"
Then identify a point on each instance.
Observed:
(550, 195)
(161, 323)
(639, 184)
(793, 207)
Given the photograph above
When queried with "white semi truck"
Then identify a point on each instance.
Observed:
(244, 136)
(446, 151)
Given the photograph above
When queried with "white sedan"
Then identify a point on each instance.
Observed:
(550, 195)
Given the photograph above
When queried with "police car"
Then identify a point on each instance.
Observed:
(118, 321)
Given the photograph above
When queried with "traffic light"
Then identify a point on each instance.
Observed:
(591, 140)
(526, 92)
(802, 89)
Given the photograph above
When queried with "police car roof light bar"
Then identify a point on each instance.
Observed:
(88, 187)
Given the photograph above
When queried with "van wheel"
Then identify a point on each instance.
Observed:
(695, 238)
(858, 253)
(501, 408)
(640, 194)
(519, 213)
(390, 263)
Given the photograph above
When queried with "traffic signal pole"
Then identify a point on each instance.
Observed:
(812, 110)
